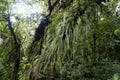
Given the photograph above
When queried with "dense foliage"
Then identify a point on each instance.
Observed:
(76, 40)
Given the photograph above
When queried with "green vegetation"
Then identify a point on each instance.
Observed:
(80, 41)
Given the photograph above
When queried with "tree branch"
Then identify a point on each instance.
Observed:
(51, 7)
